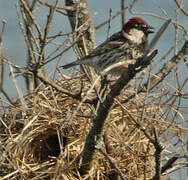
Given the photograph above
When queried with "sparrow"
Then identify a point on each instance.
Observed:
(124, 46)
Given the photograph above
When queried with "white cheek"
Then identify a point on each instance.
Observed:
(134, 35)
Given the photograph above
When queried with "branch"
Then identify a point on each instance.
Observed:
(167, 68)
(181, 8)
(82, 18)
(47, 81)
(113, 164)
(109, 19)
(94, 134)
(158, 151)
(162, 73)
(32, 18)
(81, 21)
(168, 165)
(2, 69)
(155, 15)
(123, 13)
(68, 8)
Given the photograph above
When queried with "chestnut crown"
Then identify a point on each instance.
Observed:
(137, 23)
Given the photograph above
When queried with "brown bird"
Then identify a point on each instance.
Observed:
(124, 46)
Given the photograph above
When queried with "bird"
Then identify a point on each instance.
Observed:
(124, 46)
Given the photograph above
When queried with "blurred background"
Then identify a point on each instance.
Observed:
(14, 45)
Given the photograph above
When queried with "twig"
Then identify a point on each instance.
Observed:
(123, 13)
(1, 56)
(2, 65)
(113, 17)
(177, 32)
(109, 24)
(45, 80)
(65, 50)
(24, 105)
(31, 41)
(154, 15)
(27, 37)
(181, 8)
(94, 134)
(46, 31)
(113, 164)
(158, 151)
(29, 13)
(155, 142)
(138, 125)
(157, 37)
(167, 68)
(169, 164)
(48, 25)
(68, 8)
(162, 73)
(72, 115)
(82, 18)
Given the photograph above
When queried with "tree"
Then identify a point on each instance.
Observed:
(94, 131)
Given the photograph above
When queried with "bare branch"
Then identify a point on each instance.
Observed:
(94, 134)
(68, 8)
(2, 65)
(169, 164)
(180, 6)
(26, 8)
(82, 17)
(158, 151)
(47, 81)
(123, 13)
(157, 37)
(162, 73)
(156, 16)
(167, 68)
(109, 19)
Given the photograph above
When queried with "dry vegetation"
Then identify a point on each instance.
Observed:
(43, 134)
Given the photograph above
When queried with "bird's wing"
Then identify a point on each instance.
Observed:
(115, 41)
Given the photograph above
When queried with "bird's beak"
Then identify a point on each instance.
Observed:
(150, 29)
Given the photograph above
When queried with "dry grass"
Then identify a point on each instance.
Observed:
(40, 143)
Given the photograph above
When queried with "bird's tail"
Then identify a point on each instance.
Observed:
(66, 66)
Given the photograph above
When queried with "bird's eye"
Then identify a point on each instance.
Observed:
(137, 25)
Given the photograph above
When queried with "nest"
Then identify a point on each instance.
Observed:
(41, 143)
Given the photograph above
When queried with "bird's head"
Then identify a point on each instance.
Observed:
(136, 30)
